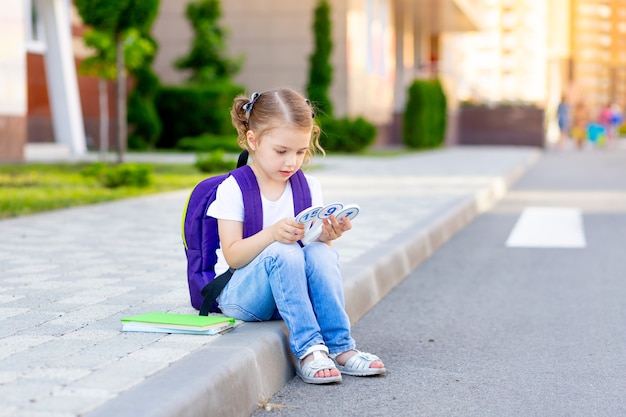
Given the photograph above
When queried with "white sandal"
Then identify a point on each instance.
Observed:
(320, 362)
(359, 364)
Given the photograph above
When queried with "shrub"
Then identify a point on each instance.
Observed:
(121, 175)
(143, 119)
(192, 110)
(145, 123)
(424, 122)
(214, 162)
(347, 135)
(208, 143)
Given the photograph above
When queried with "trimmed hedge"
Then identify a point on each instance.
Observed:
(346, 135)
(208, 142)
(424, 122)
(214, 162)
(192, 110)
(120, 175)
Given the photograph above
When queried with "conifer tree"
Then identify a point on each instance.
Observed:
(207, 58)
(320, 68)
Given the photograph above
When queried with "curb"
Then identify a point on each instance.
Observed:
(232, 375)
(226, 378)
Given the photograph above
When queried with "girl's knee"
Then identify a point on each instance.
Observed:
(282, 249)
(320, 251)
(322, 261)
(281, 253)
(238, 312)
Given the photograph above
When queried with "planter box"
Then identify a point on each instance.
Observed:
(520, 126)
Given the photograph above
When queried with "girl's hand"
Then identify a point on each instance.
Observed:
(332, 229)
(287, 231)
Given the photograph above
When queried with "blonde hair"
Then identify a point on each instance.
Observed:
(272, 110)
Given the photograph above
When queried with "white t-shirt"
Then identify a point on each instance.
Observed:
(228, 205)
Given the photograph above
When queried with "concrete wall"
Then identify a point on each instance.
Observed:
(172, 31)
(275, 37)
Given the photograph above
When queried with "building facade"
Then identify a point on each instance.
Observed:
(38, 29)
(539, 52)
(598, 59)
(530, 51)
(379, 47)
(12, 82)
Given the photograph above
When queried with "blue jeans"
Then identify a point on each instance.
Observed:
(303, 286)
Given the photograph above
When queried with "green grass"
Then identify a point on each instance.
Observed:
(32, 188)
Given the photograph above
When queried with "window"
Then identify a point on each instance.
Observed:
(35, 35)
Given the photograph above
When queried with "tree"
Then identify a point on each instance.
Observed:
(344, 134)
(115, 17)
(207, 59)
(102, 64)
(320, 68)
(143, 118)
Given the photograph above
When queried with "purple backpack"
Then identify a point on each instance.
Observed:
(200, 234)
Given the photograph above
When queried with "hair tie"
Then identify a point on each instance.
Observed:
(249, 105)
(308, 102)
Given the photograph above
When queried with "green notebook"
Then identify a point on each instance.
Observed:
(177, 323)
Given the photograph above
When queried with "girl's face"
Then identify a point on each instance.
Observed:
(280, 152)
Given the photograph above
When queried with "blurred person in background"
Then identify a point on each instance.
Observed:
(563, 118)
(580, 121)
(617, 118)
(606, 115)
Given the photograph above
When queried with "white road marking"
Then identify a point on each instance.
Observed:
(548, 227)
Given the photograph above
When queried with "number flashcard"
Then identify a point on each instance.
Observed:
(348, 212)
(314, 217)
(308, 215)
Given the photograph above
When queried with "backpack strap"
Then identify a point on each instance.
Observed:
(301, 192)
(253, 207)
(252, 224)
(212, 290)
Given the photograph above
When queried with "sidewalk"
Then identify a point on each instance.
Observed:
(67, 277)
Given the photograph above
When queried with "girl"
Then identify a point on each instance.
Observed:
(274, 277)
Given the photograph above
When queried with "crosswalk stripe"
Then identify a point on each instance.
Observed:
(548, 227)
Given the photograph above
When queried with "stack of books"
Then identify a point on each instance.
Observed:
(177, 323)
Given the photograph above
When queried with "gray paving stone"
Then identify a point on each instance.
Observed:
(24, 393)
(70, 401)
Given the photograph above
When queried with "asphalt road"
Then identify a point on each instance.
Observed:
(482, 329)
